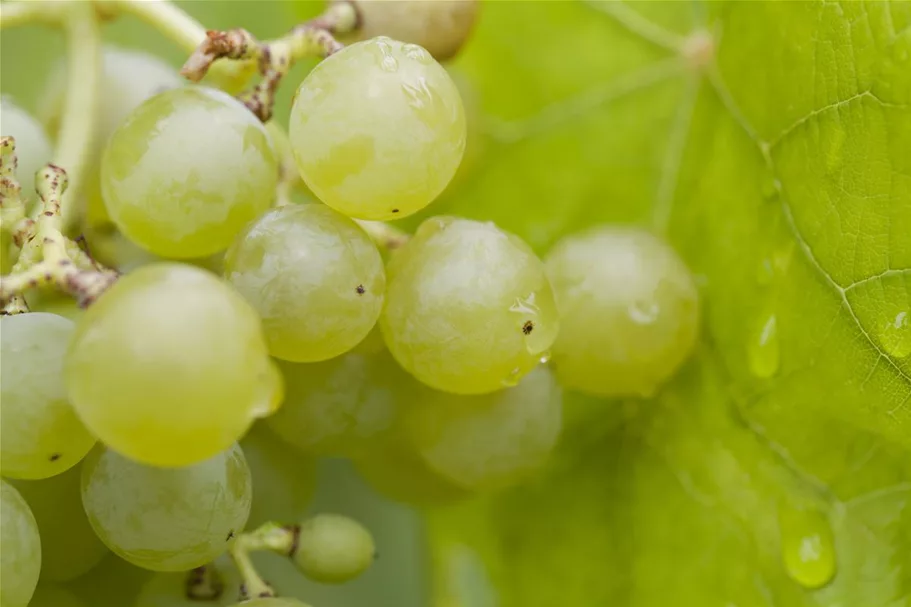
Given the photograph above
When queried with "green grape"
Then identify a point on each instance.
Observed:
(127, 79)
(469, 308)
(113, 583)
(33, 149)
(167, 519)
(341, 406)
(169, 366)
(186, 171)
(440, 26)
(283, 479)
(489, 441)
(54, 302)
(40, 433)
(333, 549)
(629, 311)
(397, 471)
(378, 129)
(314, 276)
(271, 602)
(20, 549)
(69, 546)
(51, 595)
(218, 585)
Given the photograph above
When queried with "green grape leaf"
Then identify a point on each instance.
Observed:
(771, 143)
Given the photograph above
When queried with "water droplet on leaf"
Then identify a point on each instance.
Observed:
(512, 379)
(807, 546)
(763, 349)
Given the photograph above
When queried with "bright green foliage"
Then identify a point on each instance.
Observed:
(199, 380)
(41, 433)
(33, 149)
(333, 549)
(314, 276)
(378, 129)
(190, 515)
(186, 171)
(469, 309)
(628, 311)
(69, 546)
(20, 549)
(781, 178)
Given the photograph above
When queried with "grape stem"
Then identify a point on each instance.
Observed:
(15, 14)
(270, 537)
(274, 58)
(384, 235)
(47, 257)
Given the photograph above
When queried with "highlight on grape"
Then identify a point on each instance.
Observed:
(199, 305)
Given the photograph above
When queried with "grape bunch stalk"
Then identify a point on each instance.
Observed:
(242, 306)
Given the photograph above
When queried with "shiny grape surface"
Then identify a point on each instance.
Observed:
(314, 276)
(169, 366)
(469, 309)
(188, 516)
(629, 311)
(69, 546)
(20, 557)
(378, 129)
(186, 171)
(333, 549)
(41, 435)
(33, 148)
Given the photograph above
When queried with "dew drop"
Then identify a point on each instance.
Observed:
(643, 312)
(413, 51)
(545, 357)
(764, 351)
(807, 546)
(513, 378)
(387, 62)
(896, 338)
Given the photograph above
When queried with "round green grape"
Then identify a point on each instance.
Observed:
(186, 171)
(69, 546)
(333, 549)
(629, 311)
(217, 586)
(113, 583)
(378, 129)
(469, 308)
(40, 433)
(489, 441)
(20, 556)
(127, 79)
(341, 406)
(169, 366)
(167, 519)
(33, 148)
(314, 276)
(283, 479)
(440, 26)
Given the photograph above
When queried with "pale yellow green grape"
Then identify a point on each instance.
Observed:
(629, 311)
(169, 366)
(283, 479)
(469, 308)
(40, 433)
(113, 583)
(440, 26)
(333, 549)
(176, 589)
(127, 79)
(378, 129)
(186, 171)
(52, 595)
(69, 546)
(33, 149)
(489, 441)
(186, 516)
(20, 549)
(314, 276)
(342, 406)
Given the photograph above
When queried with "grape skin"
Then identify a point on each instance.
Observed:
(69, 546)
(189, 516)
(489, 441)
(333, 549)
(469, 308)
(20, 559)
(629, 311)
(314, 276)
(186, 171)
(199, 379)
(378, 129)
(33, 148)
(41, 433)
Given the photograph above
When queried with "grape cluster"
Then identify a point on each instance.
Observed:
(133, 426)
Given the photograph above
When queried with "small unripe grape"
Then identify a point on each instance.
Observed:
(333, 549)
(440, 26)
(629, 312)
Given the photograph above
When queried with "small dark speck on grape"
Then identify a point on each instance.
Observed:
(230, 535)
(395, 210)
(528, 327)
(55, 456)
(360, 289)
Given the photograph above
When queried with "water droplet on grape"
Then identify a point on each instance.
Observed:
(387, 62)
(807, 546)
(413, 51)
(513, 378)
(764, 351)
(643, 312)
(545, 357)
